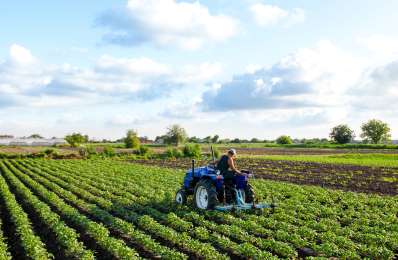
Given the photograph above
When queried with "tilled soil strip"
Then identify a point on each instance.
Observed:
(379, 180)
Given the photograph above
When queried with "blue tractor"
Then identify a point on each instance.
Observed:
(206, 184)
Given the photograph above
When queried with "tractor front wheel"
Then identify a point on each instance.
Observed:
(181, 197)
(205, 195)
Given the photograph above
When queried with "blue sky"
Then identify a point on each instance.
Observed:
(245, 68)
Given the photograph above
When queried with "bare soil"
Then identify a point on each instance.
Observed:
(379, 180)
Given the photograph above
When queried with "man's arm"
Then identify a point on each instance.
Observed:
(232, 166)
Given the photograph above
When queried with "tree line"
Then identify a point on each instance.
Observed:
(373, 131)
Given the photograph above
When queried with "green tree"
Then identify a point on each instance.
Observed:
(236, 141)
(342, 134)
(76, 139)
(207, 139)
(176, 135)
(215, 138)
(193, 139)
(132, 140)
(375, 131)
(36, 136)
(254, 140)
(284, 139)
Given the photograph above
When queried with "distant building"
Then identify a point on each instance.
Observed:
(31, 142)
(145, 140)
(6, 136)
(394, 141)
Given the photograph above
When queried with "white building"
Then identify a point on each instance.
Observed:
(31, 142)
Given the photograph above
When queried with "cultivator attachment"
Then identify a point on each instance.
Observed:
(241, 205)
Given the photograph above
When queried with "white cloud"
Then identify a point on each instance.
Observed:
(20, 55)
(110, 79)
(310, 77)
(200, 72)
(138, 67)
(21, 71)
(382, 48)
(266, 15)
(166, 23)
(380, 43)
(251, 68)
(377, 90)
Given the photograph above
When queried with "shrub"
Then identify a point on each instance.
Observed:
(132, 140)
(49, 151)
(76, 139)
(192, 151)
(91, 150)
(144, 150)
(83, 152)
(284, 139)
(109, 151)
(174, 153)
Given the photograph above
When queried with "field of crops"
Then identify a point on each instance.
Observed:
(105, 209)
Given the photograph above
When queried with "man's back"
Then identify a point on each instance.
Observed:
(222, 164)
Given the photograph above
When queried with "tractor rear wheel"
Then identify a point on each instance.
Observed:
(205, 195)
(181, 197)
(249, 194)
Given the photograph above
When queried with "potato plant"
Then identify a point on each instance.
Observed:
(115, 209)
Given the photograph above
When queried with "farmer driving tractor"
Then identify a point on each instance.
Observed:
(220, 186)
(228, 170)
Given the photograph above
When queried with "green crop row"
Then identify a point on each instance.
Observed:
(236, 233)
(312, 230)
(97, 231)
(237, 249)
(66, 237)
(117, 224)
(186, 243)
(4, 253)
(135, 203)
(32, 245)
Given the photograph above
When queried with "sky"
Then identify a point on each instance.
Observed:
(244, 68)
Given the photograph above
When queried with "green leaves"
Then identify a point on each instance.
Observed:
(133, 203)
(33, 246)
(4, 254)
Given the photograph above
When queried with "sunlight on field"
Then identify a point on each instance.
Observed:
(380, 160)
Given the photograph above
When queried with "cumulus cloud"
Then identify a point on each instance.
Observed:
(312, 77)
(381, 45)
(166, 23)
(377, 89)
(20, 55)
(26, 81)
(267, 15)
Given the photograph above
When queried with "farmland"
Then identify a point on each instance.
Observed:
(311, 170)
(86, 209)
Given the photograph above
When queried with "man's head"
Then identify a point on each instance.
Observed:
(232, 153)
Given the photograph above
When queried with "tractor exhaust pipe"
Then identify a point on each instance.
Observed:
(193, 168)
